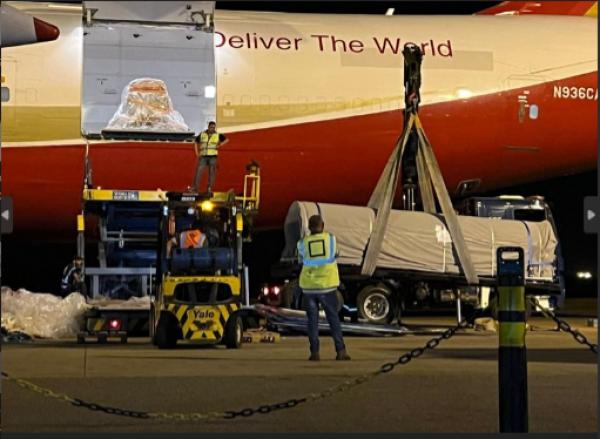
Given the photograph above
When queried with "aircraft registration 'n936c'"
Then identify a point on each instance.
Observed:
(508, 96)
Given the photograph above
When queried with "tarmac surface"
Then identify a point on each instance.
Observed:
(450, 389)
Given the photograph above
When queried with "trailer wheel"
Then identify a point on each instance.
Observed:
(166, 333)
(374, 303)
(233, 332)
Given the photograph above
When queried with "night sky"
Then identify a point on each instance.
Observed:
(565, 194)
(360, 7)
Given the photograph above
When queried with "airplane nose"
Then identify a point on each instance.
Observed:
(45, 31)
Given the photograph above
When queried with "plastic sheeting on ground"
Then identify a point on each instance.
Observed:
(42, 315)
(146, 105)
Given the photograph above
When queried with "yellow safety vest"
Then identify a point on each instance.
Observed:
(319, 269)
(208, 146)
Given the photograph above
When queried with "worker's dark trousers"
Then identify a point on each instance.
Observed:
(329, 302)
(203, 162)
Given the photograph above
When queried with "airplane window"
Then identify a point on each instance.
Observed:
(5, 94)
(534, 111)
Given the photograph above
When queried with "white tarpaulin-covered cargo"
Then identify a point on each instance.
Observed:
(420, 241)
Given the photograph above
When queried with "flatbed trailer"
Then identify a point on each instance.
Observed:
(382, 297)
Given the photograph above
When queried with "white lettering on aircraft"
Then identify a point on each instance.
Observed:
(585, 93)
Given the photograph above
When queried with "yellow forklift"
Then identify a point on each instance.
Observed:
(200, 279)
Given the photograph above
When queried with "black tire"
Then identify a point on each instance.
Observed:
(233, 332)
(102, 338)
(166, 332)
(375, 304)
(340, 302)
(124, 339)
(80, 339)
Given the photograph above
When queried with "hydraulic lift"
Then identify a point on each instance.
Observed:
(132, 245)
(169, 103)
(123, 281)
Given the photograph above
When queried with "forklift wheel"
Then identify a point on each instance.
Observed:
(233, 332)
(166, 333)
(123, 339)
(80, 339)
(102, 338)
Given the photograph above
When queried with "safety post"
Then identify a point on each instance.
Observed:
(512, 355)
(80, 235)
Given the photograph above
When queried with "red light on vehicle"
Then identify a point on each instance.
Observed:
(276, 290)
(265, 291)
(114, 324)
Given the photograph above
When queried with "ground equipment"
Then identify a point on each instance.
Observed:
(122, 282)
(199, 291)
(391, 259)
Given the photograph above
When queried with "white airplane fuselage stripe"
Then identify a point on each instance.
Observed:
(305, 59)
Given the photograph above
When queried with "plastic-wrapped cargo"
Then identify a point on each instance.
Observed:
(420, 241)
(42, 315)
(146, 105)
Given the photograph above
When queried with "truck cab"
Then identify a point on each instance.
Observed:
(516, 207)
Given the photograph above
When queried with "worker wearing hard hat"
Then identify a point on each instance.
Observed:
(319, 281)
(207, 146)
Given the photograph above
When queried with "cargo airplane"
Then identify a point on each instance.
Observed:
(508, 96)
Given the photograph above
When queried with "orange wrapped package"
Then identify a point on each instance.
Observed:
(146, 105)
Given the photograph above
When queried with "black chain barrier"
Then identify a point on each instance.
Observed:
(232, 414)
(564, 326)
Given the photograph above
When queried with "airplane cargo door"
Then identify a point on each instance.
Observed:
(523, 107)
(148, 69)
(522, 117)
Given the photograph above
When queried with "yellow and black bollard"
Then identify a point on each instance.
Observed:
(512, 355)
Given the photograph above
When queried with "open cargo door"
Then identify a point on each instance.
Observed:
(148, 69)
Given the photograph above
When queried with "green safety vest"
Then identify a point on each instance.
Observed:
(319, 268)
(208, 146)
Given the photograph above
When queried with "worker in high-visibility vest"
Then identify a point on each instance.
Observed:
(206, 146)
(319, 281)
(73, 279)
(191, 238)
